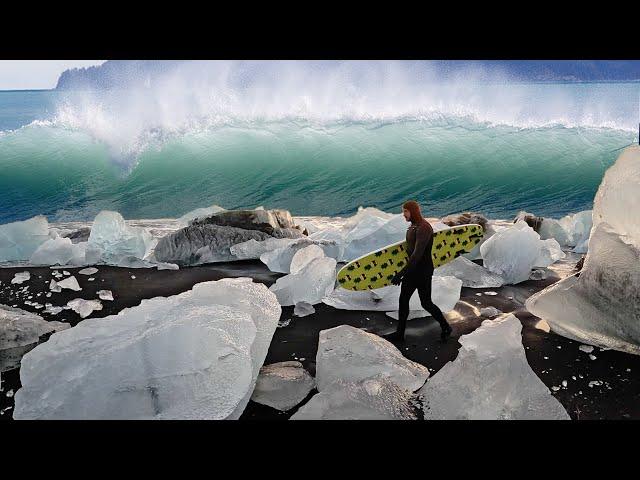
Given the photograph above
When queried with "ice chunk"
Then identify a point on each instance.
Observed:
(113, 242)
(471, 274)
(512, 252)
(349, 354)
(550, 252)
(18, 240)
(490, 379)
(310, 284)
(70, 282)
(282, 385)
(373, 233)
(252, 249)
(376, 398)
(578, 226)
(303, 256)
(105, 295)
(195, 355)
(59, 251)
(302, 309)
(445, 293)
(185, 219)
(83, 307)
(489, 312)
(586, 348)
(279, 260)
(54, 287)
(600, 305)
(88, 271)
(20, 277)
(52, 310)
(552, 228)
(20, 331)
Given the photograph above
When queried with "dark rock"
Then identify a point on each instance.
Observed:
(80, 235)
(531, 220)
(209, 239)
(465, 218)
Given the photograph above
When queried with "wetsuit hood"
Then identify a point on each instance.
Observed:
(414, 209)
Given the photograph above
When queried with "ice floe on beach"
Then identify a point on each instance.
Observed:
(195, 355)
(445, 293)
(20, 277)
(490, 380)
(282, 385)
(311, 283)
(18, 240)
(83, 307)
(349, 354)
(20, 331)
(600, 305)
(361, 376)
(512, 252)
(471, 274)
(375, 398)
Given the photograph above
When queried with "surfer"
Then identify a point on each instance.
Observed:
(417, 273)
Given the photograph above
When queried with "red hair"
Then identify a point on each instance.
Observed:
(414, 209)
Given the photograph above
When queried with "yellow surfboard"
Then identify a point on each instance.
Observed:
(376, 269)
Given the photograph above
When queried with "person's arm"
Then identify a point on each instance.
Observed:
(423, 235)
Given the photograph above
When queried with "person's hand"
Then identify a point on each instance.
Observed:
(397, 278)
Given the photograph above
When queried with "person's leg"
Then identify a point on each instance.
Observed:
(424, 291)
(408, 286)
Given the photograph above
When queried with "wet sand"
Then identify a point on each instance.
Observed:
(553, 358)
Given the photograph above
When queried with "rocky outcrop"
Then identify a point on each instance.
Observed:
(208, 240)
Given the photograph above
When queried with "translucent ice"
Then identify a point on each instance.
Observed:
(88, 271)
(105, 295)
(279, 260)
(445, 293)
(372, 233)
(600, 305)
(195, 355)
(349, 354)
(54, 287)
(112, 241)
(253, 248)
(83, 307)
(282, 385)
(376, 398)
(309, 284)
(70, 282)
(578, 226)
(185, 219)
(512, 252)
(302, 309)
(471, 274)
(552, 228)
(59, 251)
(19, 332)
(550, 252)
(490, 380)
(303, 256)
(20, 277)
(18, 240)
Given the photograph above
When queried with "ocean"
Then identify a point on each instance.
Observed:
(494, 149)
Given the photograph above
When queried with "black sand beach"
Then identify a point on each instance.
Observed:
(553, 358)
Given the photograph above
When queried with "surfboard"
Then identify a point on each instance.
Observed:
(377, 268)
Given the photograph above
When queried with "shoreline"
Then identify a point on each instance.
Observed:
(553, 358)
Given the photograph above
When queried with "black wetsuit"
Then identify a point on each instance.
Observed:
(418, 274)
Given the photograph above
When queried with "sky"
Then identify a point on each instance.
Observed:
(36, 74)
